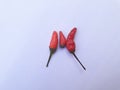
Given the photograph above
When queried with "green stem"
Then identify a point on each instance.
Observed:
(51, 53)
(78, 60)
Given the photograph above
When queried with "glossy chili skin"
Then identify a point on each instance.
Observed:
(70, 45)
(53, 45)
(62, 40)
(72, 33)
(54, 41)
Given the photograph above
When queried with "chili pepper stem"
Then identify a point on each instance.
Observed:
(78, 61)
(51, 53)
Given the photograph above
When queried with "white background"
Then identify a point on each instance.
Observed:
(25, 30)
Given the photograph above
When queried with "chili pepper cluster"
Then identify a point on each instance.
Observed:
(68, 42)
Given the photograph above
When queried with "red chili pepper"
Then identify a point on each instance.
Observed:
(72, 33)
(70, 45)
(53, 45)
(62, 40)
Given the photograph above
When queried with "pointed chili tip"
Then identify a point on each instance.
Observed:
(74, 28)
(60, 32)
